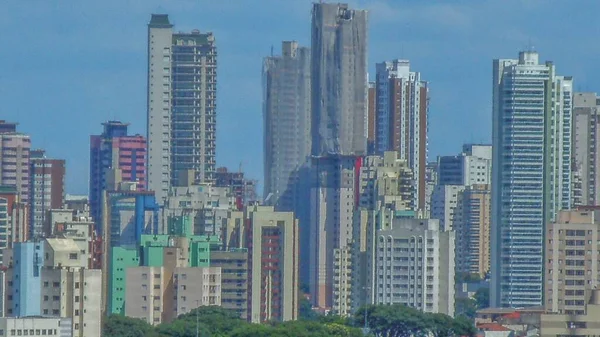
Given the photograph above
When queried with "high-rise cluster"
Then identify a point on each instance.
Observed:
(353, 213)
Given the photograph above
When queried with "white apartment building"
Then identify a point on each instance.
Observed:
(181, 124)
(35, 326)
(414, 266)
(472, 166)
(444, 200)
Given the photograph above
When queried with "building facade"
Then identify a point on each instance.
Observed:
(46, 190)
(472, 166)
(35, 326)
(50, 278)
(333, 199)
(572, 261)
(286, 120)
(14, 164)
(401, 118)
(114, 156)
(414, 266)
(472, 221)
(182, 87)
(272, 242)
(339, 80)
(444, 201)
(586, 146)
(531, 175)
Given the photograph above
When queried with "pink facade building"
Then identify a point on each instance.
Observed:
(115, 152)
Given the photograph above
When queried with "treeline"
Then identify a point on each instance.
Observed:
(383, 320)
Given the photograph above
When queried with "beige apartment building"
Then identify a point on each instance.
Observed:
(67, 288)
(572, 261)
(272, 241)
(234, 279)
(472, 226)
(581, 325)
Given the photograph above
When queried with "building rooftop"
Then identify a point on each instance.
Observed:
(160, 21)
(62, 245)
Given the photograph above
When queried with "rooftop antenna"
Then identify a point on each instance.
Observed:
(271, 50)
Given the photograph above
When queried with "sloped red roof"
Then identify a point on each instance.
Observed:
(491, 327)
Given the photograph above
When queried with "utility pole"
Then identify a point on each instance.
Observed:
(197, 306)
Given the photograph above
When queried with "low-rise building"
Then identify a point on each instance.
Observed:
(35, 326)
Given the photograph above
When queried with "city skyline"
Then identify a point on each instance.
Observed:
(103, 77)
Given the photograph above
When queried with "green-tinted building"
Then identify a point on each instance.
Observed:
(121, 259)
(151, 253)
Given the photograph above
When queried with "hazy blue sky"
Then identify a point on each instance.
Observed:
(67, 66)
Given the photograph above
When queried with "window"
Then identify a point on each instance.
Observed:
(73, 256)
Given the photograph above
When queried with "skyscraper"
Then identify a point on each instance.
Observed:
(115, 152)
(14, 163)
(586, 145)
(182, 86)
(286, 118)
(339, 137)
(47, 189)
(531, 174)
(401, 118)
(339, 80)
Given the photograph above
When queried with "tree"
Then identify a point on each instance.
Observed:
(463, 326)
(305, 311)
(121, 326)
(466, 307)
(218, 321)
(482, 298)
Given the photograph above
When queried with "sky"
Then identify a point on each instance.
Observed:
(68, 66)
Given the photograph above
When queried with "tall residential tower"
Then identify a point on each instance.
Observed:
(339, 139)
(339, 80)
(402, 109)
(182, 86)
(286, 118)
(531, 173)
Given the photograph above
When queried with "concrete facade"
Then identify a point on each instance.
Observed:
(531, 175)
(472, 166)
(414, 266)
(160, 294)
(338, 80)
(402, 117)
(444, 201)
(472, 222)
(182, 86)
(286, 120)
(234, 279)
(333, 199)
(35, 326)
(46, 190)
(586, 145)
(272, 244)
(572, 261)
(50, 278)
(14, 164)
(574, 324)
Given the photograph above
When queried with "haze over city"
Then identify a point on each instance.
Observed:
(68, 66)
